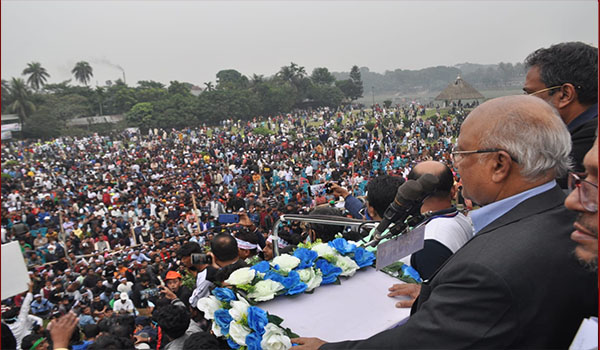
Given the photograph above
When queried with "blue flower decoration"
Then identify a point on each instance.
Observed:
(297, 289)
(257, 320)
(223, 318)
(272, 275)
(253, 341)
(363, 257)
(307, 257)
(261, 267)
(342, 246)
(233, 344)
(291, 280)
(224, 294)
(329, 271)
(409, 271)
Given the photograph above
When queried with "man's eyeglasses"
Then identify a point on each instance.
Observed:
(542, 90)
(457, 156)
(587, 192)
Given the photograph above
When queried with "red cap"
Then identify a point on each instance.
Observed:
(171, 275)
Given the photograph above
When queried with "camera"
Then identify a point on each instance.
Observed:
(201, 259)
(149, 292)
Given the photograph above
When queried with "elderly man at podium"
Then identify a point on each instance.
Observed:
(516, 284)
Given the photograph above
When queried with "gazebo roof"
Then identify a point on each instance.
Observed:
(460, 90)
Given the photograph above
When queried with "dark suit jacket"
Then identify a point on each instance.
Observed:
(516, 284)
(582, 139)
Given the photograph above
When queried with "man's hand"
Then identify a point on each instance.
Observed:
(307, 343)
(410, 290)
(339, 191)
(62, 329)
(168, 293)
(30, 285)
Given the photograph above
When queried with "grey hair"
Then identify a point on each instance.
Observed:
(540, 144)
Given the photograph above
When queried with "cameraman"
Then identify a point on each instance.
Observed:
(192, 257)
(225, 254)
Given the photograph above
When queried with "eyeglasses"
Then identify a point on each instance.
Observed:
(587, 192)
(542, 90)
(457, 156)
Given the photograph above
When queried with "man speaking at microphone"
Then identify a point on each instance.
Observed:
(516, 283)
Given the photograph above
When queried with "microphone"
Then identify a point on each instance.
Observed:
(408, 199)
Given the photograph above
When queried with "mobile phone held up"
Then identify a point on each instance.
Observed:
(229, 218)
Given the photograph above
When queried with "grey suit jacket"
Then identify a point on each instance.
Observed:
(516, 284)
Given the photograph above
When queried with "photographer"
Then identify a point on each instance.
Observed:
(192, 257)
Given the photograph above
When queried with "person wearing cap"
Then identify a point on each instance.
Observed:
(174, 288)
(41, 306)
(123, 305)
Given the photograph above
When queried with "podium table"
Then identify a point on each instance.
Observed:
(356, 309)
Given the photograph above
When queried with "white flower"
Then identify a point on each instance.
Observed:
(216, 329)
(347, 265)
(241, 276)
(311, 277)
(238, 308)
(238, 332)
(275, 339)
(286, 262)
(265, 290)
(323, 249)
(209, 305)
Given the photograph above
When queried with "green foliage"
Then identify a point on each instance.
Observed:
(37, 75)
(322, 76)
(83, 72)
(6, 176)
(11, 162)
(231, 79)
(323, 95)
(370, 126)
(140, 115)
(356, 79)
(387, 103)
(263, 131)
(141, 161)
(176, 87)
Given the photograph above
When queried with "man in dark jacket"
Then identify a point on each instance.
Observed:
(566, 76)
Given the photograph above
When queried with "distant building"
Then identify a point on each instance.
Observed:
(459, 90)
(10, 123)
(102, 119)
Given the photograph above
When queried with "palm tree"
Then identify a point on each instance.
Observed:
(37, 75)
(209, 86)
(83, 72)
(21, 100)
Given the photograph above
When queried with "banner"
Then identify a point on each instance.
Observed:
(11, 127)
(15, 277)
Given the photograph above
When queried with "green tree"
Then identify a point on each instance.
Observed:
(37, 75)
(83, 72)
(322, 76)
(387, 103)
(21, 103)
(5, 95)
(176, 87)
(150, 84)
(231, 79)
(323, 95)
(141, 115)
(357, 81)
(209, 86)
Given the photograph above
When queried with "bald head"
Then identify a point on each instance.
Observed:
(527, 128)
(439, 170)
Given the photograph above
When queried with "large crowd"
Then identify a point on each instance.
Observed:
(100, 220)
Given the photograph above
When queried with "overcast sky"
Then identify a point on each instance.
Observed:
(192, 40)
